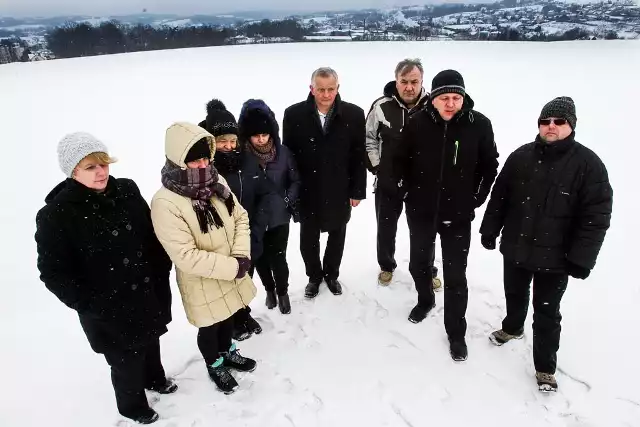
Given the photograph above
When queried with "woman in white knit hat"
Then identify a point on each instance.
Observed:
(97, 252)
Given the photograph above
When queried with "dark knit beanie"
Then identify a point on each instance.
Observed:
(561, 107)
(255, 122)
(199, 150)
(447, 81)
(220, 121)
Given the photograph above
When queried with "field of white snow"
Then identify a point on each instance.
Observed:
(350, 360)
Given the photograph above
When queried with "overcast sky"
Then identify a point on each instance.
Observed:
(114, 7)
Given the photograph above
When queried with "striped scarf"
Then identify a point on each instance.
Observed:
(200, 185)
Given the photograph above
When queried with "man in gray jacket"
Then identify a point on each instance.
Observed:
(387, 116)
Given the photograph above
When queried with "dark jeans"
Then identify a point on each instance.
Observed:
(548, 289)
(132, 371)
(455, 239)
(272, 266)
(310, 250)
(388, 210)
(215, 339)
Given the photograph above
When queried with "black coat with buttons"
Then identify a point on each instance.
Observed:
(331, 163)
(553, 204)
(97, 252)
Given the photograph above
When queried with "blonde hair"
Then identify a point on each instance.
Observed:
(100, 158)
(226, 136)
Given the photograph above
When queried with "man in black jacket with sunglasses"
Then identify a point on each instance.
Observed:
(552, 202)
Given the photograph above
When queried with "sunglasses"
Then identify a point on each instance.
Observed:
(557, 122)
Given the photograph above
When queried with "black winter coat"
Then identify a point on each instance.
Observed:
(331, 166)
(447, 168)
(99, 255)
(552, 203)
(279, 177)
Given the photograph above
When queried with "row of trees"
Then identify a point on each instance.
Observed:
(81, 39)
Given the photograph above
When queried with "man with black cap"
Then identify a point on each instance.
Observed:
(448, 165)
(552, 202)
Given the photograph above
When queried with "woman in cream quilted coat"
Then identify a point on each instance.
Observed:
(205, 232)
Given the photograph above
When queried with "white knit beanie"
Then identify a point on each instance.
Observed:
(76, 146)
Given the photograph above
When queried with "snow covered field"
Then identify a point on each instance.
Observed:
(352, 360)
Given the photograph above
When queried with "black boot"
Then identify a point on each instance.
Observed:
(221, 376)
(284, 304)
(334, 286)
(240, 332)
(458, 350)
(419, 312)
(271, 300)
(232, 359)
(147, 418)
(312, 289)
(167, 388)
(252, 325)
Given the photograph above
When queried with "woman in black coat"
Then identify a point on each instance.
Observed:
(97, 252)
(259, 131)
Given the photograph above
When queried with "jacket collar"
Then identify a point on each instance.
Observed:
(311, 102)
(557, 148)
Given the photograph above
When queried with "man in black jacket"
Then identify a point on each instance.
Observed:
(552, 201)
(327, 139)
(402, 97)
(448, 165)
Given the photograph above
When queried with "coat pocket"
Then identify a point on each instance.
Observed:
(560, 201)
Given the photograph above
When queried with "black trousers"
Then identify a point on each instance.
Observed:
(388, 211)
(455, 239)
(548, 289)
(310, 250)
(215, 339)
(272, 265)
(133, 370)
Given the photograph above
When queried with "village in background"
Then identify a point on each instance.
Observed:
(37, 39)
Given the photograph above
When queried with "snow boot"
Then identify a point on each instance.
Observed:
(500, 337)
(252, 325)
(419, 312)
(458, 350)
(546, 382)
(284, 304)
(147, 418)
(221, 376)
(232, 359)
(271, 300)
(167, 388)
(240, 332)
(312, 288)
(385, 277)
(334, 286)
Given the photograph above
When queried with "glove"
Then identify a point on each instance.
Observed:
(244, 264)
(374, 170)
(489, 242)
(576, 271)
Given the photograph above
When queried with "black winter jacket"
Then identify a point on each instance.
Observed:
(447, 168)
(331, 165)
(552, 203)
(386, 118)
(280, 177)
(99, 255)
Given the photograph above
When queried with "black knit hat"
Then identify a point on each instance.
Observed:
(220, 121)
(255, 122)
(561, 107)
(447, 81)
(199, 150)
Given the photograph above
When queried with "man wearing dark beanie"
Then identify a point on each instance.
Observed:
(448, 165)
(552, 203)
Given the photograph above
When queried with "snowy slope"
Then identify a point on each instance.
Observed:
(352, 360)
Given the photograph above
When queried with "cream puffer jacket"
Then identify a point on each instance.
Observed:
(205, 263)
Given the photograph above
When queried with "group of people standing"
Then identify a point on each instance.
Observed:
(231, 188)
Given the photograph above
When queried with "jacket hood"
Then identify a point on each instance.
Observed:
(391, 91)
(56, 191)
(255, 108)
(179, 139)
(72, 190)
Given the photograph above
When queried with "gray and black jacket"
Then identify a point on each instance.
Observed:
(386, 118)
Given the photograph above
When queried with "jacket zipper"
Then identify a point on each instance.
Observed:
(440, 181)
